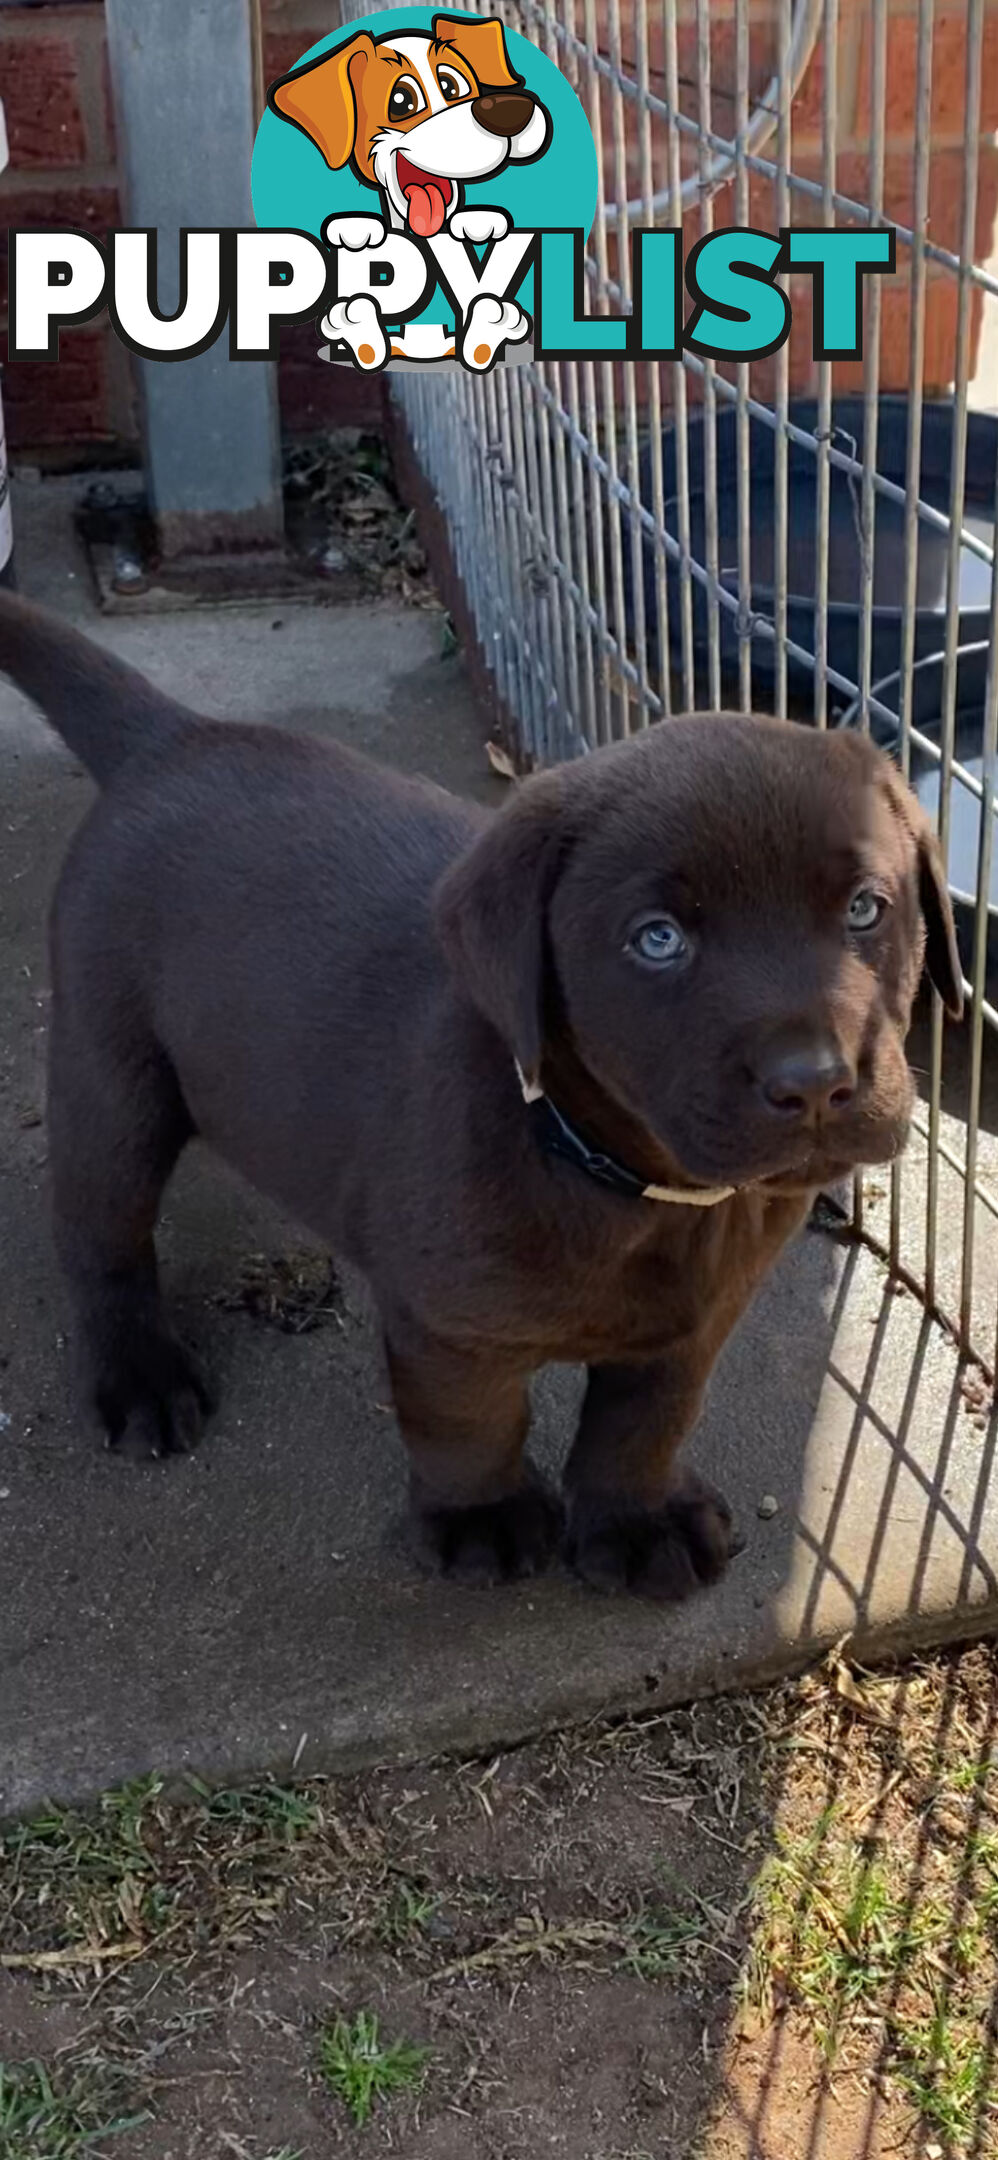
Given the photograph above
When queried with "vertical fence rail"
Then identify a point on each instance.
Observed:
(958, 460)
(585, 502)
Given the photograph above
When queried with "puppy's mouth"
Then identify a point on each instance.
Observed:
(428, 196)
(822, 1166)
(810, 1167)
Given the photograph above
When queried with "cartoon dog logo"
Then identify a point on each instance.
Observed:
(416, 117)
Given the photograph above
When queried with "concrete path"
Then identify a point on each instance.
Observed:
(251, 1608)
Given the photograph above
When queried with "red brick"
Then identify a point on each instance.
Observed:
(808, 109)
(315, 395)
(945, 219)
(63, 401)
(895, 334)
(949, 70)
(282, 49)
(40, 89)
(81, 209)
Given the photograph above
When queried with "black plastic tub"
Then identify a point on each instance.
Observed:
(844, 563)
(924, 772)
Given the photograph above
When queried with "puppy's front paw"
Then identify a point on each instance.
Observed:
(357, 323)
(491, 324)
(354, 233)
(664, 1554)
(497, 1542)
(153, 1401)
(479, 225)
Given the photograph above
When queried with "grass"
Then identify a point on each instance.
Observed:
(833, 1858)
(881, 1918)
(137, 1871)
(60, 2113)
(363, 2070)
(409, 1909)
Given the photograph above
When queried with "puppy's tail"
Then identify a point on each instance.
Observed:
(104, 710)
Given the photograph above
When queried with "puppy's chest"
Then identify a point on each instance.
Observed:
(677, 1283)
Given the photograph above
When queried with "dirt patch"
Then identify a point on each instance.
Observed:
(343, 512)
(295, 1292)
(764, 1929)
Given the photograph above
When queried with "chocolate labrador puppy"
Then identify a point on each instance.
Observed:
(561, 1080)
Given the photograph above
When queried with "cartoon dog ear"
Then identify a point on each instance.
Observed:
(321, 98)
(482, 45)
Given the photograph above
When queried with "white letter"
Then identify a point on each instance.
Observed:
(397, 295)
(260, 301)
(133, 295)
(55, 277)
(465, 278)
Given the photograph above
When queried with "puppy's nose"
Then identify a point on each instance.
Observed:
(808, 1081)
(503, 112)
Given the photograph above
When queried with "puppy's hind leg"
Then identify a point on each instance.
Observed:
(117, 1123)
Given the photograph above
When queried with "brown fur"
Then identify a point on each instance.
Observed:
(326, 971)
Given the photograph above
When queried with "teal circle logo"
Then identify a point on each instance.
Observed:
(416, 125)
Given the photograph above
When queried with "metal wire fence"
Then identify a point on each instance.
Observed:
(606, 523)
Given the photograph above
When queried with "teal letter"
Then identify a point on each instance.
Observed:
(740, 314)
(839, 261)
(560, 327)
(656, 318)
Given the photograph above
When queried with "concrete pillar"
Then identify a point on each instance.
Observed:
(184, 74)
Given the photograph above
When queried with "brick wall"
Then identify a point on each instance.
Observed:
(54, 82)
(853, 72)
(56, 95)
(56, 91)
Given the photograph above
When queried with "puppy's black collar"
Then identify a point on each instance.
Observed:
(558, 1136)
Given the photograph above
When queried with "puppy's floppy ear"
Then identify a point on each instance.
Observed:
(321, 98)
(482, 45)
(491, 911)
(942, 957)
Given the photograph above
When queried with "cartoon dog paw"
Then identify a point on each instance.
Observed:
(354, 233)
(491, 324)
(479, 225)
(357, 323)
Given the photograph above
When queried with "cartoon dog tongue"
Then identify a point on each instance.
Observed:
(427, 199)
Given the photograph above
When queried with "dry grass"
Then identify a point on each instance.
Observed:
(820, 1864)
(876, 1916)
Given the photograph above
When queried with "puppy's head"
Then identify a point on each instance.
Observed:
(418, 114)
(725, 919)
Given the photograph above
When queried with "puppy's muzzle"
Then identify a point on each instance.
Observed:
(503, 112)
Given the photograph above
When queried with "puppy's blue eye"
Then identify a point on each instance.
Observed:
(865, 909)
(660, 941)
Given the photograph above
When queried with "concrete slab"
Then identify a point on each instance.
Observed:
(247, 1609)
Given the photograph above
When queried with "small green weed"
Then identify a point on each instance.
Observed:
(61, 2114)
(361, 2069)
(407, 1912)
(657, 1943)
(270, 1810)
